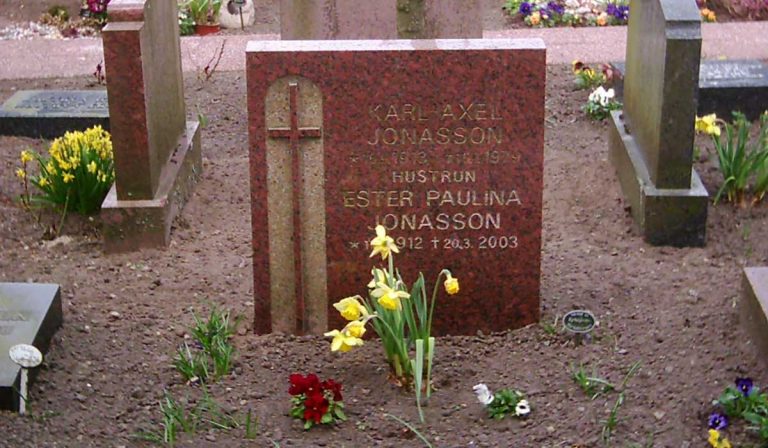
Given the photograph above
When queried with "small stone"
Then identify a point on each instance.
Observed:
(80, 397)
(659, 415)
(114, 315)
(550, 429)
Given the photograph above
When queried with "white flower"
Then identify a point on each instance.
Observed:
(523, 408)
(483, 394)
(597, 94)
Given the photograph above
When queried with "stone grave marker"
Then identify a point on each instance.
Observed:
(379, 19)
(651, 140)
(157, 152)
(726, 86)
(50, 113)
(754, 308)
(440, 141)
(29, 314)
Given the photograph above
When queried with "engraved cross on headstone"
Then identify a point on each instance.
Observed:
(294, 133)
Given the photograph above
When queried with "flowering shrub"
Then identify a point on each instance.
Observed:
(402, 318)
(503, 403)
(316, 402)
(547, 13)
(745, 401)
(740, 159)
(77, 175)
(600, 103)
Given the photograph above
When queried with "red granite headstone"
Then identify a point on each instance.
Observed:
(157, 151)
(441, 141)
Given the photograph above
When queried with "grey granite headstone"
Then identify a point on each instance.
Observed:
(30, 313)
(753, 313)
(726, 86)
(51, 113)
(651, 140)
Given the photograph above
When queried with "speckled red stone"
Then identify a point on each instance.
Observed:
(499, 287)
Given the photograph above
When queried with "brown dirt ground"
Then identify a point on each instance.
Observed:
(673, 310)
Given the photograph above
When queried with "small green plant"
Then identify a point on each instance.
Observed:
(77, 175)
(592, 385)
(740, 159)
(610, 423)
(411, 428)
(600, 104)
(59, 11)
(213, 352)
(503, 403)
(204, 12)
(207, 413)
(186, 21)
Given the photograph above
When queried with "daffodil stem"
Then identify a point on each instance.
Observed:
(432, 305)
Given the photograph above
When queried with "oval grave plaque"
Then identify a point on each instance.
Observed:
(579, 321)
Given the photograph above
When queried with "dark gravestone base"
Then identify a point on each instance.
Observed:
(666, 217)
(29, 314)
(133, 225)
(50, 113)
(754, 308)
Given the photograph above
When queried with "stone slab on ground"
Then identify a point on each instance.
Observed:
(50, 113)
(727, 86)
(30, 313)
(440, 141)
(754, 308)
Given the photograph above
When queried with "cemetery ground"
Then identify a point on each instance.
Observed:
(675, 311)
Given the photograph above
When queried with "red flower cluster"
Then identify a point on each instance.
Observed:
(316, 394)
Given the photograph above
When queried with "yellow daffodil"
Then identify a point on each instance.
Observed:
(20, 173)
(49, 166)
(388, 298)
(92, 167)
(379, 275)
(43, 181)
(708, 125)
(451, 285)
(708, 15)
(26, 156)
(67, 178)
(343, 341)
(383, 244)
(716, 441)
(351, 308)
(355, 329)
